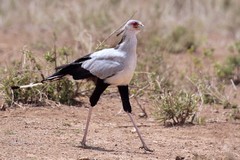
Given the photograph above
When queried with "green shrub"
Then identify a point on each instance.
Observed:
(230, 69)
(29, 71)
(176, 107)
(211, 92)
(179, 40)
(235, 47)
(235, 114)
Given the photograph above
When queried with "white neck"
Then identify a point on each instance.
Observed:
(128, 42)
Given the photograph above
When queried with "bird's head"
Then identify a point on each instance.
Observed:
(133, 26)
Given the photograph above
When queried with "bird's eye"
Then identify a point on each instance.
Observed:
(135, 24)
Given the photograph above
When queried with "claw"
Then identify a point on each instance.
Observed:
(146, 149)
(83, 144)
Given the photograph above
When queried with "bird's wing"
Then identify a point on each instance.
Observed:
(102, 68)
(104, 63)
(101, 64)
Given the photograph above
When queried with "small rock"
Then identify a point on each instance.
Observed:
(141, 115)
(133, 130)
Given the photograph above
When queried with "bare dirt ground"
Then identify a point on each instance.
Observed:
(55, 132)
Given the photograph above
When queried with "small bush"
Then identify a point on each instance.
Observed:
(175, 107)
(30, 71)
(180, 39)
(211, 92)
(235, 114)
(230, 69)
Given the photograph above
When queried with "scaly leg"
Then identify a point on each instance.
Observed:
(83, 142)
(139, 135)
(100, 87)
(124, 93)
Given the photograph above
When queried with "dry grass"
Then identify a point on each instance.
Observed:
(78, 26)
(81, 25)
(97, 19)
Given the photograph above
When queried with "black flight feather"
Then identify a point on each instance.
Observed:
(74, 69)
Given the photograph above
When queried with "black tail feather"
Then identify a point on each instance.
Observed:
(74, 70)
(14, 87)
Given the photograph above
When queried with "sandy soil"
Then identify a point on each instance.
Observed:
(56, 132)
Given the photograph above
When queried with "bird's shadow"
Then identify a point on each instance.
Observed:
(101, 149)
(95, 148)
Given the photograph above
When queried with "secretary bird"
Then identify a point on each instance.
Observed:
(111, 66)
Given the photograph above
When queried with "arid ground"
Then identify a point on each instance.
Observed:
(54, 131)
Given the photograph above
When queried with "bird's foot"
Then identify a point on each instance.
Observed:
(146, 149)
(83, 144)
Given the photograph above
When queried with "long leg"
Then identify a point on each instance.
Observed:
(100, 88)
(124, 93)
(139, 135)
(83, 142)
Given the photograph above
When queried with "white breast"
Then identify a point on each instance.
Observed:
(124, 77)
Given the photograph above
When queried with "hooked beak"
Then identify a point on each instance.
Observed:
(140, 26)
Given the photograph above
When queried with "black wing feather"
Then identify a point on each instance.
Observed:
(80, 60)
(74, 69)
